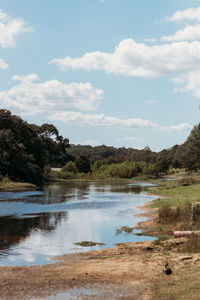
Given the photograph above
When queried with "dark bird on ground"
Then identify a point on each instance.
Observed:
(167, 270)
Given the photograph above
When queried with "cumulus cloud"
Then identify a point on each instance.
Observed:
(9, 28)
(178, 128)
(3, 64)
(101, 120)
(191, 14)
(189, 82)
(190, 32)
(30, 97)
(139, 60)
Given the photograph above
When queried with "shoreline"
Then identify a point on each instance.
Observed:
(127, 271)
(86, 269)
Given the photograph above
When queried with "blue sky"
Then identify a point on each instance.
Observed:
(114, 72)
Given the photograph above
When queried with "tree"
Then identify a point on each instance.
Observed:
(190, 150)
(25, 149)
(83, 164)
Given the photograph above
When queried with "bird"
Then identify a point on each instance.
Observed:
(167, 270)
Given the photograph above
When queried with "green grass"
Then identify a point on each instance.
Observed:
(174, 205)
(174, 193)
(89, 244)
(7, 184)
(183, 284)
(125, 229)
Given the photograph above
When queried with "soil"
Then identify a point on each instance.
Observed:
(123, 272)
(127, 271)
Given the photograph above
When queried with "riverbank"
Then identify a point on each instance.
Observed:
(8, 185)
(127, 271)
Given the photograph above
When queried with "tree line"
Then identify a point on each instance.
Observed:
(28, 151)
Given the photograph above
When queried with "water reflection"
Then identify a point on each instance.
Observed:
(14, 230)
(36, 225)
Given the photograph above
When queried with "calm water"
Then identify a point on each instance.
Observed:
(36, 225)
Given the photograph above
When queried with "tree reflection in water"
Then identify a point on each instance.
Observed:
(13, 230)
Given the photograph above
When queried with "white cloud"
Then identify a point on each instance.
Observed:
(192, 14)
(29, 97)
(190, 32)
(189, 82)
(9, 28)
(139, 60)
(179, 127)
(3, 64)
(102, 120)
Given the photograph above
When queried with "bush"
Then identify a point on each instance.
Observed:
(83, 164)
(187, 181)
(167, 214)
(192, 244)
(69, 167)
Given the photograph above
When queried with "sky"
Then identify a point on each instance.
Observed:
(123, 73)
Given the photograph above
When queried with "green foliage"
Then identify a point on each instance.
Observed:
(125, 229)
(168, 214)
(83, 164)
(25, 149)
(192, 245)
(126, 170)
(89, 244)
(111, 155)
(190, 151)
(69, 167)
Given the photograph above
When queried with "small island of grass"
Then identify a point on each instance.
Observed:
(89, 244)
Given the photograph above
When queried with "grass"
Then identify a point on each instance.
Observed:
(182, 285)
(175, 213)
(192, 244)
(7, 184)
(175, 193)
(125, 229)
(89, 244)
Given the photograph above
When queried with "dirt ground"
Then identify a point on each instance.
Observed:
(123, 272)
(127, 271)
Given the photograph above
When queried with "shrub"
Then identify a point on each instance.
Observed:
(69, 167)
(83, 164)
(192, 244)
(167, 214)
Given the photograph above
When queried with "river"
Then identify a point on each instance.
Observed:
(36, 225)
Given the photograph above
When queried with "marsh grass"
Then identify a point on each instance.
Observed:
(183, 285)
(175, 213)
(89, 244)
(168, 214)
(7, 184)
(192, 245)
(125, 229)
